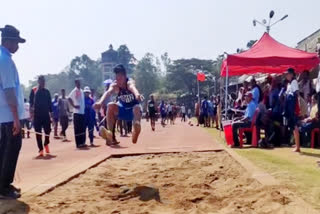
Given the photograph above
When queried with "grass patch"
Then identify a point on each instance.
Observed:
(299, 172)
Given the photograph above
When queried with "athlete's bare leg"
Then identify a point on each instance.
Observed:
(136, 123)
(109, 133)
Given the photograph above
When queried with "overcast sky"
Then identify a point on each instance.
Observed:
(58, 30)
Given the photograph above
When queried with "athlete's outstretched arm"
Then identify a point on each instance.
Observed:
(105, 95)
(134, 90)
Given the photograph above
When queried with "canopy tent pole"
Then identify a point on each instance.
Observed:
(226, 91)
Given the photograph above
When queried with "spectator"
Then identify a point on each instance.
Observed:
(245, 121)
(303, 107)
(310, 122)
(89, 113)
(215, 112)
(26, 121)
(189, 113)
(318, 88)
(76, 100)
(64, 111)
(305, 85)
(183, 113)
(256, 91)
(11, 110)
(266, 91)
(291, 106)
(210, 113)
(40, 104)
(55, 115)
(197, 111)
(204, 110)
(163, 113)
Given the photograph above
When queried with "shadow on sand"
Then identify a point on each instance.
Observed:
(13, 206)
(46, 157)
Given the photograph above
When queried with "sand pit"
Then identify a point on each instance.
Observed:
(168, 183)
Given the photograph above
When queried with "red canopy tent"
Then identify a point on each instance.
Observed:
(268, 56)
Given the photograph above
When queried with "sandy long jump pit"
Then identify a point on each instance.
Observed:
(206, 182)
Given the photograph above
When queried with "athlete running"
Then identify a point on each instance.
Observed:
(152, 112)
(127, 108)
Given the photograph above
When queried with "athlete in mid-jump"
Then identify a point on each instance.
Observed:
(127, 108)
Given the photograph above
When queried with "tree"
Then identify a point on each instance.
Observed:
(166, 61)
(146, 75)
(126, 58)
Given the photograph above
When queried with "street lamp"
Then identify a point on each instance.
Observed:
(264, 22)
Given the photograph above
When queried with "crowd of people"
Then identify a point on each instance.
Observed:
(286, 107)
(208, 112)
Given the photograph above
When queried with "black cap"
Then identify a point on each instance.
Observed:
(119, 69)
(10, 32)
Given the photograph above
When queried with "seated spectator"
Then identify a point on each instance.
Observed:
(310, 122)
(303, 107)
(245, 121)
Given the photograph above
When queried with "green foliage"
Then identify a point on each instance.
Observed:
(146, 75)
(126, 58)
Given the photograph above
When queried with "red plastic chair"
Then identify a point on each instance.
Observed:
(252, 129)
(313, 132)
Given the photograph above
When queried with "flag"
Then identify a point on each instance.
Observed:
(201, 77)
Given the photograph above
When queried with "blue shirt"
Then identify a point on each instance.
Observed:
(204, 106)
(89, 112)
(256, 95)
(55, 109)
(9, 78)
(251, 108)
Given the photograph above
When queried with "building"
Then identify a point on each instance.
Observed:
(310, 42)
(109, 59)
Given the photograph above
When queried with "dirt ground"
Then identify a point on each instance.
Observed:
(210, 182)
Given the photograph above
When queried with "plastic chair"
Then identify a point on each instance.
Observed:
(252, 129)
(313, 132)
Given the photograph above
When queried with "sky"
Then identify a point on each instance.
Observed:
(57, 31)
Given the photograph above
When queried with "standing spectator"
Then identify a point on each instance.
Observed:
(170, 112)
(210, 113)
(305, 85)
(183, 112)
(189, 113)
(64, 111)
(292, 106)
(26, 120)
(89, 113)
(76, 100)
(40, 104)
(55, 115)
(11, 111)
(94, 98)
(163, 113)
(256, 91)
(215, 112)
(219, 111)
(204, 110)
(152, 112)
(197, 111)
